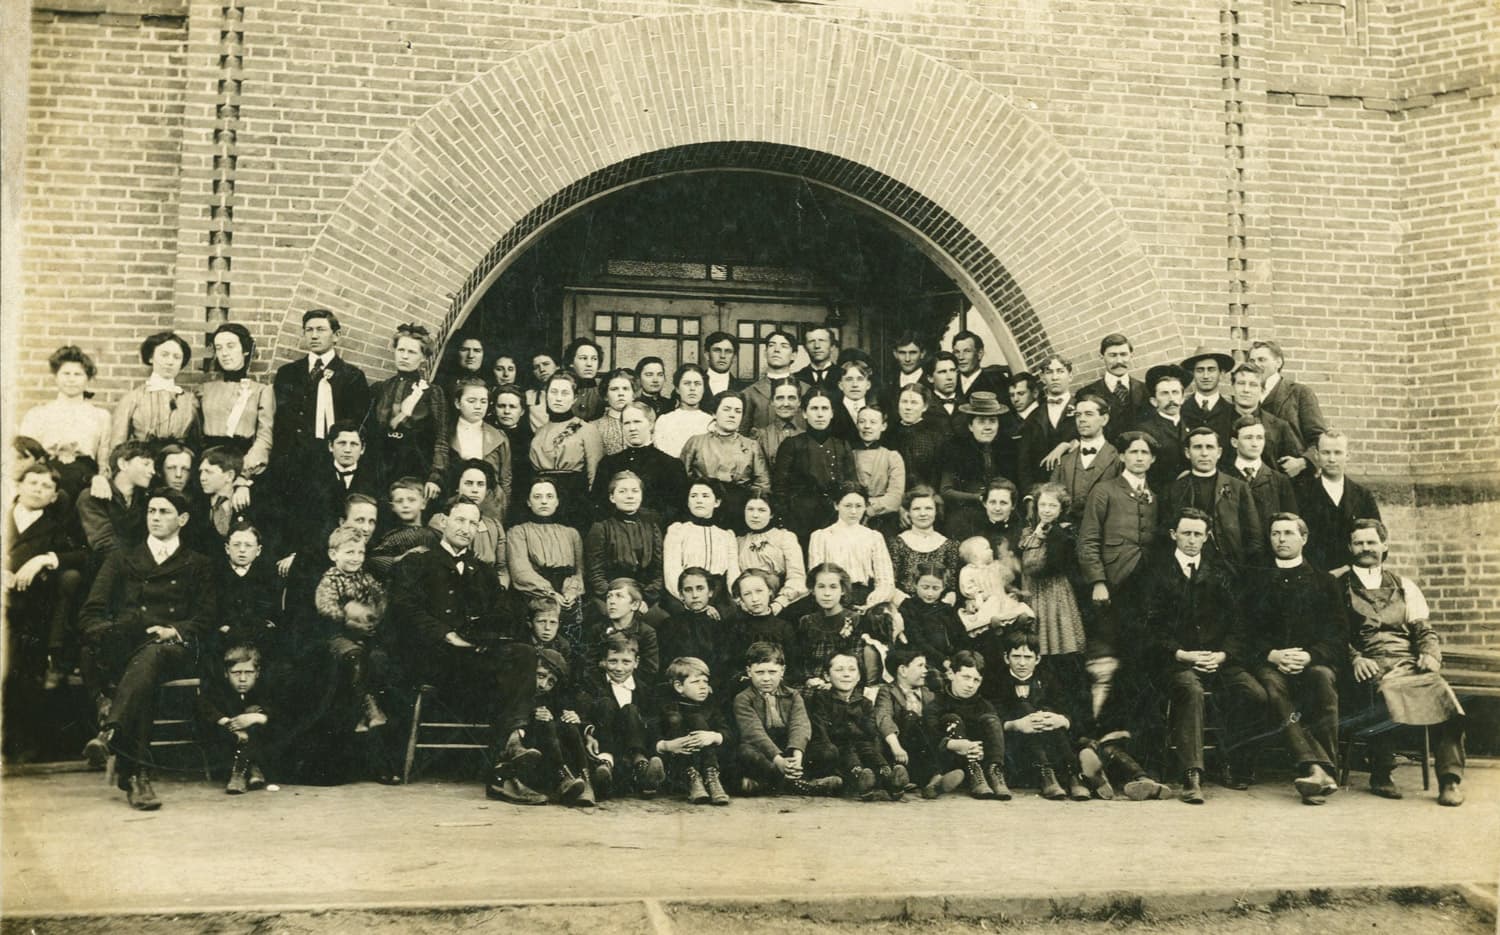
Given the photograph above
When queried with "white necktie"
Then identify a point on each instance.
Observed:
(323, 415)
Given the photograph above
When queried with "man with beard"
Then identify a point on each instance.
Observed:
(1164, 424)
(1393, 647)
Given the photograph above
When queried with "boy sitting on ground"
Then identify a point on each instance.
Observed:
(1038, 733)
(774, 729)
(622, 718)
(845, 741)
(693, 731)
(557, 730)
(235, 705)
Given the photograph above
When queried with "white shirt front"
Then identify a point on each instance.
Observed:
(1289, 562)
(624, 692)
(162, 549)
(24, 517)
(1056, 408)
(1269, 385)
(1241, 465)
(909, 379)
(1188, 563)
(1114, 383)
(717, 382)
(468, 439)
(1206, 402)
(1085, 455)
(1334, 489)
(1136, 482)
(314, 359)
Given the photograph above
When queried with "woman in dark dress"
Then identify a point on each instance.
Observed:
(508, 412)
(810, 469)
(408, 425)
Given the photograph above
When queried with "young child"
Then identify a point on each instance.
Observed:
(407, 500)
(1038, 731)
(346, 580)
(696, 632)
(623, 718)
(249, 592)
(693, 731)
(351, 601)
(845, 740)
(624, 615)
(899, 708)
(1049, 562)
(544, 616)
(968, 733)
(755, 623)
(829, 629)
(774, 729)
(931, 624)
(557, 731)
(236, 705)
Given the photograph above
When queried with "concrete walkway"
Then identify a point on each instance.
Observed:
(72, 845)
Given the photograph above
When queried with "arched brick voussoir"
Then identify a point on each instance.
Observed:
(438, 213)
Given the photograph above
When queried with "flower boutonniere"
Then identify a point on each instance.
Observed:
(1224, 491)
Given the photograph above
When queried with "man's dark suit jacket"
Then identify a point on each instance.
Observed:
(49, 533)
(1328, 524)
(1117, 531)
(994, 378)
(295, 429)
(1038, 437)
(1121, 419)
(829, 382)
(1272, 491)
(430, 598)
(1220, 418)
(1297, 405)
(1170, 461)
(1080, 481)
(1236, 538)
(1281, 441)
(112, 524)
(132, 593)
(1300, 607)
(1201, 614)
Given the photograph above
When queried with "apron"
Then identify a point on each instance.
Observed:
(1412, 696)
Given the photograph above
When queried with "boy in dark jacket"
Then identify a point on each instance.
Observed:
(556, 729)
(845, 740)
(960, 713)
(693, 731)
(235, 704)
(774, 729)
(1037, 728)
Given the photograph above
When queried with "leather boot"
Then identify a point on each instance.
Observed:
(1077, 790)
(696, 792)
(1192, 787)
(979, 788)
(1450, 791)
(603, 780)
(895, 780)
(862, 783)
(1050, 788)
(96, 751)
(995, 775)
(586, 798)
(239, 782)
(569, 787)
(514, 791)
(140, 795)
(374, 717)
(828, 785)
(1093, 776)
(257, 779)
(1383, 785)
(942, 782)
(515, 757)
(716, 793)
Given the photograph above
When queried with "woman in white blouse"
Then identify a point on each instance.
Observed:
(857, 549)
(158, 411)
(239, 412)
(74, 431)
(777, 551)
(675, 428)
(700, 541)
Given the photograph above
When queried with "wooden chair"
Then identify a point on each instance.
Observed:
(448, 733)
(175, 725)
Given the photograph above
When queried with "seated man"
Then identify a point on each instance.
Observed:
(145, 614)
(1295, 644)
(1194, 643)
(1392, 645)
(453, 637)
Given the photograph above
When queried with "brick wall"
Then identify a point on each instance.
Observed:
(100, 210)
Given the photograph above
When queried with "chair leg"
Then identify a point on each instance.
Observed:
(411, 740)
(1426, 758)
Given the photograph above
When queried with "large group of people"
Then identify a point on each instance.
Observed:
(645, 581)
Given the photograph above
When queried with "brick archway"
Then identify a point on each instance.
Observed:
(987, 192)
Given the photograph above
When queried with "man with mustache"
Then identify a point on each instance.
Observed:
(1392, 646)
(1126, 394)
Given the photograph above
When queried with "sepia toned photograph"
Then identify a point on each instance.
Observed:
(737, 466)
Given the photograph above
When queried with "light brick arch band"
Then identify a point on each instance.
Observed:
(434, 218)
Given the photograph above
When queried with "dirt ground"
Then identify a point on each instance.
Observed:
(1421, 912)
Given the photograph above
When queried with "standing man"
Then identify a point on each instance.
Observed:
(973, 376)
(1392, 646)
(1296, 647)
(908, 354)
(943, 375)
(1206, 404)
(1271, 489)
(145, 614)
(778, 349)
(1050, 432)
(1294, 403)
(1094, 460)
(1166, 384)
(719, 353)
(821, 350)
(1126, 394)
(456, 637)
(311, 395)
(1282, 441)
(1193, 642)
(1238, 538)
(1331, 503)
(1024, 392)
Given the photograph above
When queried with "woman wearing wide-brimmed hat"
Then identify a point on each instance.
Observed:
(970, 459)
